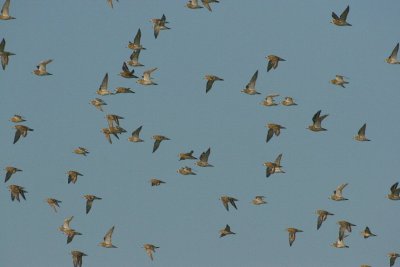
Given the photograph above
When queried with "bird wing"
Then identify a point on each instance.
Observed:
(156, 30)
(8, 176)
(135, 55)
(137, 132)
(89, 204)
(278, 160)
(340, 188)
(156, 145)
(2, 45)
(232, 201)
(66, 222)
(392, 55)
(320, 221)
(316, 116)
(207, 5)
(393, 188)
(5, 9)
(107, 237)
(361, 132)
(252, 83)
(147, 74)
(270, 134)
(209, 85)
(17, 135)
(137, 37)
(104, 83)
(343, 16)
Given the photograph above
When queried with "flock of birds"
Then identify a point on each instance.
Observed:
(114, 129)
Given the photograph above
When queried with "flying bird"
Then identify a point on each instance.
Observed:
(340, 81)
(288, 101)
(159, 24)
(41, 68)
(361, 134)
(203, 161)
(5, 14)
(107, 242)
(123, 90)
(73, 176)
(4, 55)
(292, 234)
(193, 4)
(259, 200)
(54, 203)
(317, 120)
(337, 194)
(251, 86)
(81, 151)
(77, 258)
(17, 118)
(339, 243)
(344, 227)
(136, 42)
(150, 249)
(126, 73)
(226, 231)
(394, 192)
(392, 59)
(21, 130)
(188, 155)
(157, 141)
(186, 171)
(392, 258)
(210, 81)
(226, 200)
(269, 101)
(98, 103)
(65, 226)
(322, 216)
(156, 182)
(341, 21)
(273, 62)
(134, 59)
(274, 167)
(367, 233)
(273, 129)
(16, 191)
(146, 78)
(135, 136)
(89, 201)
(10, 171)
(103, 89)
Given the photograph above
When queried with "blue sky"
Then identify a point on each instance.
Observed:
(183, 216)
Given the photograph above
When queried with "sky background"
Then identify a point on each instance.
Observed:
(87, 39)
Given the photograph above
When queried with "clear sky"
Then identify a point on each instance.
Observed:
(87, 39)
